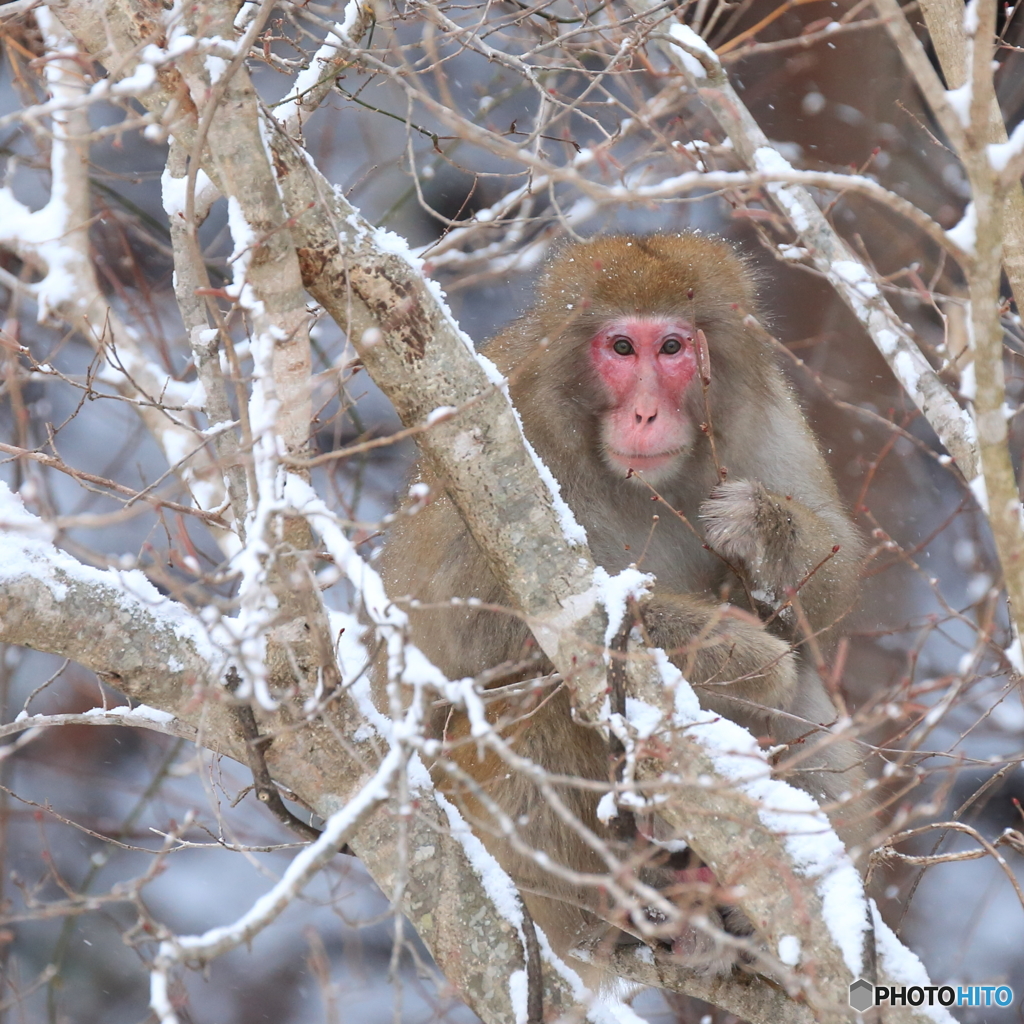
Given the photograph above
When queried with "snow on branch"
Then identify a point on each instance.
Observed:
(993, 227)
(113, 621)
(337, 831)
(55, 240)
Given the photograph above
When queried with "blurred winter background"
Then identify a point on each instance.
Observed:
(82, 809)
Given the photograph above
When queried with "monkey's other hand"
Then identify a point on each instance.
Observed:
(724, 651)
(746, 523)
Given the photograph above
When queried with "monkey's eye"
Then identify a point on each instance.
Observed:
(671, 346)
(623, 347)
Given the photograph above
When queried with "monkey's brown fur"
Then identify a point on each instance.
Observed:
(775, 519)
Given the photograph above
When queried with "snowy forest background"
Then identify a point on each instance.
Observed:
(108, 834)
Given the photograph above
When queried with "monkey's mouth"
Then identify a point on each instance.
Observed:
(644, 463)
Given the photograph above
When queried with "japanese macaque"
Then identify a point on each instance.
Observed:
(637, 370)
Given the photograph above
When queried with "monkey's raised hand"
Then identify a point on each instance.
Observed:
(725, 652)
(776, 538)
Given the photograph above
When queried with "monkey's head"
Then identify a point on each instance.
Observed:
(621, 318)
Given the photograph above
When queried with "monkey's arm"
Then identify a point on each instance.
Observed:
(720, 648)
(784, 544)
(431, 558)
(725, 652)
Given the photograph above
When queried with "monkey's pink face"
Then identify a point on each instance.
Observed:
(646, 365)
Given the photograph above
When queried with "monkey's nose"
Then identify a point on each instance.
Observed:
(645, 419)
